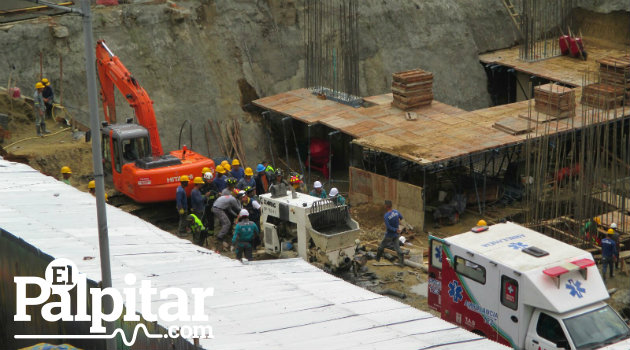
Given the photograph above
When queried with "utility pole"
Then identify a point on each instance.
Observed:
(101, 214)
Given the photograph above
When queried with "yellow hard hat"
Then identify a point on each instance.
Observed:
(198, 180)
(610, 231)
(91, 185)
(39, 85)
(184, 178)
(227, 167)
(482, 222)
(220, 169)
(249, 172)
(66, 170)
(597, 220)
(205, 170)
(236, 162)
(45, 82)
(224, 162)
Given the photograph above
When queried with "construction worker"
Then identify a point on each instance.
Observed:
(280, 187)
(268, 168)
(223, 206)
(262, 180)
(318, 190)
(297, 184)
(205, 170)
(249, 202)
(49, 97)
(219, 180)
(230, 184)
(615, 237)
(237, 172)
(336, 197)
(92, 189)
(181, 200)
(391, 240)
(197, 200)
(210, 192)
(244, 234)
(66, 173)
(199, 232)
(39, 108)
(247, 180)
(589, 230)
(609, 251)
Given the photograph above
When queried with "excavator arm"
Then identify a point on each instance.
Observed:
(112, 73)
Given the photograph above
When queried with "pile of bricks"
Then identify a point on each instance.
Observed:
(603, 96)
(555, 100)
(615, 71)
(412, 89)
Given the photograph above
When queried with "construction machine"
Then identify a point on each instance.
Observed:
(132, 150)
(320, 230)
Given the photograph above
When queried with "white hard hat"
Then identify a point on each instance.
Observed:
(402, 239)
(317, 184)
(613, 225)
(208, 176)
(243, 212)
(334, 191)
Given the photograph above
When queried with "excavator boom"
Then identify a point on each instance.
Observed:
(112, 73)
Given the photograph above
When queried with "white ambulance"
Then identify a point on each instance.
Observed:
(523, 289)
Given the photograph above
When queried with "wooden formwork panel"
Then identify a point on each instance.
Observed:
(368, 187)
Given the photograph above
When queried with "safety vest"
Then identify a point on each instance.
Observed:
(196, 225)
(269, 168)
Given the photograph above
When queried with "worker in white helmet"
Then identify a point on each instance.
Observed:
(318, 190)
(336, 197)
(244, 234)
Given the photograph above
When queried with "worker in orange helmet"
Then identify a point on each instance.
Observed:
(182, 204)
(237, 172)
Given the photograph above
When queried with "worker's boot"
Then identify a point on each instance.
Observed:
(401, 260)
(44, 130)
(39, 132)
(379, 253)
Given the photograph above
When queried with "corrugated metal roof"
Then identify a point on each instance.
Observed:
(274, 304)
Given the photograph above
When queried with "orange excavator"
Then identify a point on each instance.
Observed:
(132, 151)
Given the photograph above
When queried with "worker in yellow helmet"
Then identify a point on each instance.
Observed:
(609, 251)
(237, 172)
(220, 178)
(181, 201)
(247, 180)
(197, 200)
(92, 189)
(39, 107)
(49, 97)
(66, 173)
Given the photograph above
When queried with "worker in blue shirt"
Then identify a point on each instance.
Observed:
(391, 240)
(220, 178)
(609, 251)
(244, 234)
(197, 200)
(182, 204)
(237, 172)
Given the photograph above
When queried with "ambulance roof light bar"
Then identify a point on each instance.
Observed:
(556, 271)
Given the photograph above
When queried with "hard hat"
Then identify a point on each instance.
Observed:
(333, 192)
(45, 82)
(220, 169)
(613, 226)
(66, 170)
(198, 180)
(230, 181)
(279, 172)
(249, 189)
(482, 222)
(597, 220)
(249, 172)
(260, 168)
(243, 212)
(224, 162)
(294, 180)
(610, 231)
(91, 185)
(227, 167)
(39, 85)
(184, 178)
(236, 193)
(205, 170)
(235, 162)
(208, 176)
(317, 184)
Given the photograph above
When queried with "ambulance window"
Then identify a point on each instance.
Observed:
(509, 292)
(471, 270)
(550, 329)
(436, 254)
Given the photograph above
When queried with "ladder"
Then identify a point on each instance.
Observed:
(516, 17)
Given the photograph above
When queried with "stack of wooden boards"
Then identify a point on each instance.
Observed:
(555, 100)
(602, 96)
(412, 89)
(614, 72)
